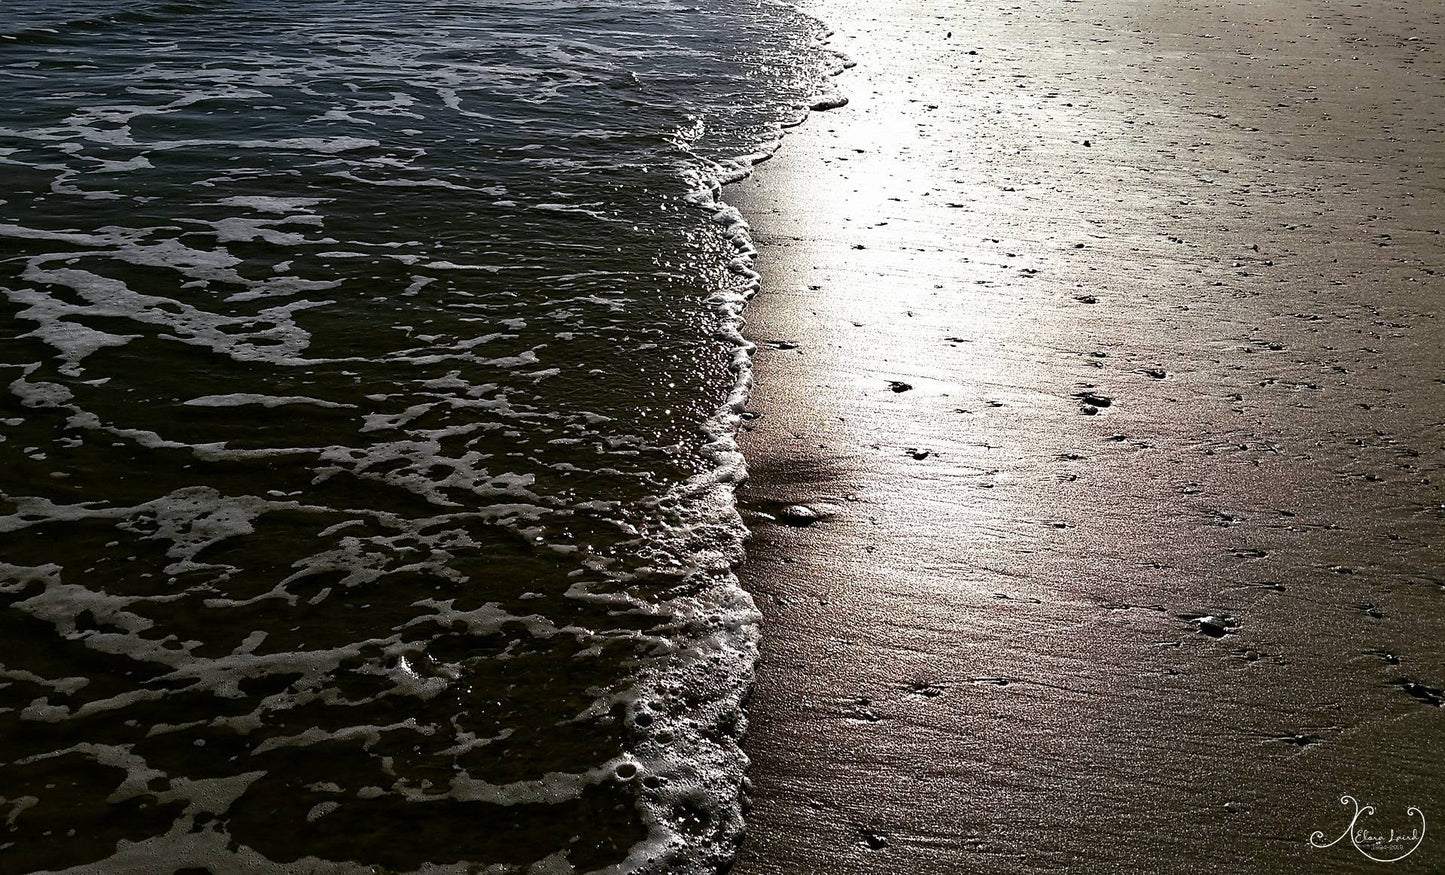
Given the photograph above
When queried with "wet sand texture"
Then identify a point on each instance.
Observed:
(1096, 465)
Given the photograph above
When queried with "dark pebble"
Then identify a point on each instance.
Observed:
(1094, 398)
(798, 515)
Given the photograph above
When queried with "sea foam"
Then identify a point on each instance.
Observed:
(368, 451)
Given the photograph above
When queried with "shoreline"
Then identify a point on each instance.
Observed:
(1125, 511)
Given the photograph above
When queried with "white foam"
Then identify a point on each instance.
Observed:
(430, 437)
(279, 205)
(243, 399)
(280, 341)
(319, 145)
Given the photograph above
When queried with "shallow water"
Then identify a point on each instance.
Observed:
(365, 459)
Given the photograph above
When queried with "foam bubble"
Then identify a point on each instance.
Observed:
(392, 464)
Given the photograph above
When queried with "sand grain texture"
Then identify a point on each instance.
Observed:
(1108, 334)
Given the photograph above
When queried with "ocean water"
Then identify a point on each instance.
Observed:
(366, 456)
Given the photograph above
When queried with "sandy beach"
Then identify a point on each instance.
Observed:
(1102, 342)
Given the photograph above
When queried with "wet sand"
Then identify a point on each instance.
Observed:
(1103, 339)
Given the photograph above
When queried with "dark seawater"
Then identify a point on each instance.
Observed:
(366, 462)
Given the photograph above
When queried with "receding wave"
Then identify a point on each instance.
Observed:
(367, 432)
